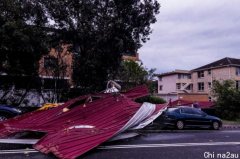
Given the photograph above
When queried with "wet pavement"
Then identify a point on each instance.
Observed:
(186, 144)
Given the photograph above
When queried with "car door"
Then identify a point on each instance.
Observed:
(190, 117)
(194, 117)
(201, 117)
(187, 116)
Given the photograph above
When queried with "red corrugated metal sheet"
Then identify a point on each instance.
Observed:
(202, 105)
(85, 126)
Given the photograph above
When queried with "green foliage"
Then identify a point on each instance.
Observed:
(227, 99)
(101, 31)
(132, 72)
(150, 99)
(22, 37)
(152, 86)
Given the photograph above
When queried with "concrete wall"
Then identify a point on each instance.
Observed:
(168, 83)
(167, 97)
(188, 97)
(194, 97)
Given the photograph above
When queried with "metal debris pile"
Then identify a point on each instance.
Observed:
(84, 123)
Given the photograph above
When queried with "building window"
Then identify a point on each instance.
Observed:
(209, 85)
(238, 71)
(179, 76)
(160, 78)
(201, 86)
(200, 74)
(50, 62)
(184, 76)
(238, 85)
(209, 72)
(178, 86)
(160, 87)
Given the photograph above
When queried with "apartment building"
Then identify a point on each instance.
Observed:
(224, 69)
(196, 84)
(177, 81)
(56, 66)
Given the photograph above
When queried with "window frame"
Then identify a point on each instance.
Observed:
(209, 71)
(160, 87)
(209, 85)
(178, 86)
(201, 88)
(237, 71)
(200, 74)
(238, 85)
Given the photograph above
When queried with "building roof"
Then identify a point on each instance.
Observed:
(174, 72)
(227, 61)
(68, 134)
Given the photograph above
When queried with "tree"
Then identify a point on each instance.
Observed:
(132, 73)
(57, 64)
(100, 31)
(227, 99)
(150, 99)
(23, 38)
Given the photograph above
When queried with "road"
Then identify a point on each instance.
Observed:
(185, 144)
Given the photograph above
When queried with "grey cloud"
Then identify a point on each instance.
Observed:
(188, 35)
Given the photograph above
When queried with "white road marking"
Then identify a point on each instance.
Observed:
(26, 151)
(34, 141)
(19, 141)
(168, 145)
(17, 151)
(230, 131)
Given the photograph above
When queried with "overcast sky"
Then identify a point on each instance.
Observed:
(192, 33)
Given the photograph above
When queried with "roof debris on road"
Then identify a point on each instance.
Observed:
(89, 121)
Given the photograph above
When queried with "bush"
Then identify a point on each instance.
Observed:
(150, 99)
(227, 99)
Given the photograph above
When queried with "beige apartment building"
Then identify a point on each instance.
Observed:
(196, 84)
(177, 81)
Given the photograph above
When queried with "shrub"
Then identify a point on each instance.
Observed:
(150, 99)
(227, 99)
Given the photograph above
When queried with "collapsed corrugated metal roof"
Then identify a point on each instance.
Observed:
(202, 105)
(83, 123)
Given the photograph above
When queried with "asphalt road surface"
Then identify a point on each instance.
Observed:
(186, 144)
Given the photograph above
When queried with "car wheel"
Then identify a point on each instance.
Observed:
(180, 125)
(215, 125)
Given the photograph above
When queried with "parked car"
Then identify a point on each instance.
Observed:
(7, 111)
(187, 117)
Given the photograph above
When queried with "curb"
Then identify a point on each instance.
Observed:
(231, 126)
(187, 130)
